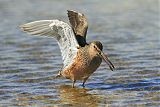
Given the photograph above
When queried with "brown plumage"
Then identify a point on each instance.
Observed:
(80, 59)
(85, 63)
(79, 25)
(88, 59)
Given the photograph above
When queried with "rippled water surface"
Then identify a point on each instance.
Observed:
(129, 31)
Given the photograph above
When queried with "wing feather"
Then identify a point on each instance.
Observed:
(79, 25)
(59, 30)
(79, 22)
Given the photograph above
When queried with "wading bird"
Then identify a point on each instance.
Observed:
(80, 59)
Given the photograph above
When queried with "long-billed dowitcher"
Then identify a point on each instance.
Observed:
(80, 59)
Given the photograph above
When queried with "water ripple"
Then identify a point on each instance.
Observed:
(129, 31)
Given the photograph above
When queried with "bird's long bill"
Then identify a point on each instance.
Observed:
(105, 58)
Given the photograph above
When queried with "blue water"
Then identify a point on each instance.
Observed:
(129, 31)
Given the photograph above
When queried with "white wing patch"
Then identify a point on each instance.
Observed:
(61, 31)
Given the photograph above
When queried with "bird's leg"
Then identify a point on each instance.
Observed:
(84, 82)
(73, 83)
(83, 85)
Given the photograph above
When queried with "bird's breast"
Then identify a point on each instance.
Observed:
(83, 66)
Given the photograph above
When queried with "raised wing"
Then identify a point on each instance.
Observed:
(79, 26)
(61, 31)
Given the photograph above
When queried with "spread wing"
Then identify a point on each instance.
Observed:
(79, 25)
(59, 30)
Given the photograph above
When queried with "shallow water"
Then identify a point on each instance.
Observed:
(129, 31)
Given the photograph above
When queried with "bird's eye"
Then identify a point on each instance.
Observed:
(94, 46)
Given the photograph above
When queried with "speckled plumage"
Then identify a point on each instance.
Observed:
(84, 65)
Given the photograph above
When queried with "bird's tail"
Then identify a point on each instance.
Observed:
(58, 75)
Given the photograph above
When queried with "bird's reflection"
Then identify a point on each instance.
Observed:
(80, 96)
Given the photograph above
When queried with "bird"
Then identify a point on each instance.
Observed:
(80, 59)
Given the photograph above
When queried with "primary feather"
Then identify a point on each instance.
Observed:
(79, 25)
(61, 31)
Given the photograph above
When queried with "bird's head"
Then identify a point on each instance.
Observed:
(97, 48)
